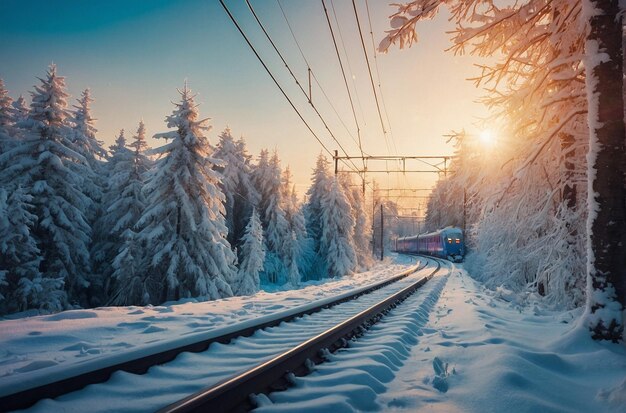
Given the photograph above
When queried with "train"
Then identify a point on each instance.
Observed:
(446, 243)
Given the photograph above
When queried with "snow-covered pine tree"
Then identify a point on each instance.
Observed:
(267, 180)
(85, 132)
(6, 119)
(47, 166)
(128, 279)
(253, 257)
(241, 195)
(336, 244)
(362, 234)
(183, 225)
(105, 243)
(20, 109)
(86, 143)
(320, 185)
(300, 245)
(22, 286)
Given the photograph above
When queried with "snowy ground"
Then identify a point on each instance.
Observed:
(461, 348)
(41, 349)
(451, 347)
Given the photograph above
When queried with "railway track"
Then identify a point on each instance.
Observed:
(278, 372)
(280, 334)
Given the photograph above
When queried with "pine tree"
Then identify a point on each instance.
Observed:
(253, 257)
(106, 242)
(276, 228)
(337, 228)
(46, 165)
(183, 225)
(241, 195)
(86, 143)
(124, 211)
(313, 212)
(362, 233)
(22, 286)
(20, 110)
(299, 247)
(6, 119)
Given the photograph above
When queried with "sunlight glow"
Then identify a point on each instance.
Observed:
(486, 137)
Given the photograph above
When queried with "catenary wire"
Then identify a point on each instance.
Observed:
(298, 83)
(369, 69)
(232, 18)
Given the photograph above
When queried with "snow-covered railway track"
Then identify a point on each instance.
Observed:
(118, 375)
(232, 394)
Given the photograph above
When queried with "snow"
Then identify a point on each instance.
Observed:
(43, 349)
(455, 346)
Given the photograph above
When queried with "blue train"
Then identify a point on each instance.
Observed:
(446, 243)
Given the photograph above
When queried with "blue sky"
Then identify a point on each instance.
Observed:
(134, 54)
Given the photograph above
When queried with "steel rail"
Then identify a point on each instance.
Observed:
(26, 398)
(233, 394)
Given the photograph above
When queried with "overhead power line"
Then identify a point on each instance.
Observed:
(369, 69)
(312, 74)
(232, 18)
(380, 88)
(269, 38)
(345, 80)
(345, 50)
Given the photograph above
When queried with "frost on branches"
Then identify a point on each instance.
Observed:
(253, 252)
(46, 165)
(241, 195)
(183, 225)
(123, 204)
(525, 197)
(336, 243)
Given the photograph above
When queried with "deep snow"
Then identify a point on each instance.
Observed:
(454, 346)
(462, 348)
(41, 349)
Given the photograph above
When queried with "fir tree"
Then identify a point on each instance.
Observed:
(106, 242)
(299, 247)
(6, 119)
(20, 110)
(22, 286)
(183, 225)
(129, 275)
(241, 195)
(275, 225)
(362, 233)
(337, 228)
(86, 143)
(47, 165)
(320, 185)
(253, 257)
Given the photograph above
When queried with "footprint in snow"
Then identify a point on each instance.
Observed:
(440, 381)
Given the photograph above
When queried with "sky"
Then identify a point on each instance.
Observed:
(134, 54)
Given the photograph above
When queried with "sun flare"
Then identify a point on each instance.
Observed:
(487, 137)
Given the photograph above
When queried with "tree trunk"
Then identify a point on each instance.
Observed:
(606, 261)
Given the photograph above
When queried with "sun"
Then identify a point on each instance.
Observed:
(486, 137)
